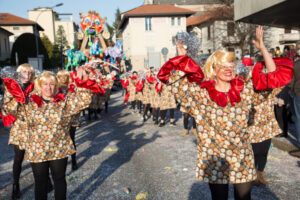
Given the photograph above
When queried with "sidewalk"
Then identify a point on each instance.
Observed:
(288, 144)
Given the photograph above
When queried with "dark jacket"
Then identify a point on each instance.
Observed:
(295, 83)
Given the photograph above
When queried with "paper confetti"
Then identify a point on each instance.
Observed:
(141, 196)
(111, 149)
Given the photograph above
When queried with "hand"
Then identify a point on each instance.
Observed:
(259, 43)
(180, 49)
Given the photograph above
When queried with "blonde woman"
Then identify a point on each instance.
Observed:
(67, 87)
(48, 114)
(220, 106)
(17, 135)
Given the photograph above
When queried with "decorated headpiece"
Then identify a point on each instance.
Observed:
(92, 24)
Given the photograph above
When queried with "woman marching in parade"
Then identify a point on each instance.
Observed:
(220, 105)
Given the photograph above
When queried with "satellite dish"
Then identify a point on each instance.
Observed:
(164, 51)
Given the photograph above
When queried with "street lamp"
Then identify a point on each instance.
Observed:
(36, 32)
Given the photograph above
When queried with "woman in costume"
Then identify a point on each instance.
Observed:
(167, 102)
(155, 96)
(139, 94)
(47, 115)
(17, 136)
(149, 80)
(221, 106)
(108, 82)
(67, 87)
(132, 90)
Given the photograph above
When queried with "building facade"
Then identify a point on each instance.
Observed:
(17, 26)
(4, 44)
(50, 21)
(147, 30)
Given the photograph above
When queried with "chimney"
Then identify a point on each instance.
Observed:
(148, 2)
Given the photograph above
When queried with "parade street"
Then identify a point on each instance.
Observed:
(120, 157)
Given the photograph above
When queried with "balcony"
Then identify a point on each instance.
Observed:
(289, 38)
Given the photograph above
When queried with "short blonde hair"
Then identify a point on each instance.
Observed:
(24, 66)
(218, 58)
(42, 78)
(63, 73)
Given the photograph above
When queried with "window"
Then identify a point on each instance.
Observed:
(173, 21)
(286, 30)
(208, 33)
(230, 29)
(179, 21)
(148, 24)
(16, 28)
(5, 44)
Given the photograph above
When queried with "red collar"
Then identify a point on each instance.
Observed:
(38, 100)
(150, 79)
(132, 77)
(221, 98)
(14, 89)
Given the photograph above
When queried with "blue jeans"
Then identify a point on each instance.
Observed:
(296, 105)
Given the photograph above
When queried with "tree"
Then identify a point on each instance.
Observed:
(110, 29)
(48, 45)
(60, 38)
(117, 23)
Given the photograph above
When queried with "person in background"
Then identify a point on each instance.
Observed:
(294, 85)
(278, 52)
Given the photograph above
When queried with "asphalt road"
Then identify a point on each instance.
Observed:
(120, 157)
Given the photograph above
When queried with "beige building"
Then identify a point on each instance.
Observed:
(50, 21)
(4, 44)
(148, 29)
(17, 26)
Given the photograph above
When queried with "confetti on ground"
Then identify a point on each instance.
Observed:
(111, 149)
(141, 196)
(185, 169)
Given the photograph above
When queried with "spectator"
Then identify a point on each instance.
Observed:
(295, 89)
(278, 52)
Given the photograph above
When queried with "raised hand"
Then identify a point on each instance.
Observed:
(180, 48)
(259, 42)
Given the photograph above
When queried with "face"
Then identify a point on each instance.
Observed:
(26, 75)
(92, 24)
(63, 79)
(224, 73)
(48, 88)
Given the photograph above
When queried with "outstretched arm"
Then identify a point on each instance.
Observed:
(259, 43)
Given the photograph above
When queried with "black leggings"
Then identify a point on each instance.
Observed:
(72, 135)
(140, 105)
(186, 117)
(133, 104)
(163, 114)
(281, 113)
(260, 151)
(242, 191)
(41, 173)
(146, 108)
(17, 166)
(155, 112)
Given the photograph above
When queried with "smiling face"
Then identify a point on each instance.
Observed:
(48, 88)
(224, 73)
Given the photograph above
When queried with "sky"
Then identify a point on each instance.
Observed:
(106, 8)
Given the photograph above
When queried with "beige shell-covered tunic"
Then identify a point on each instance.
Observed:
(132, 90)
(265, 125)
(48, 138)
(146, 93)
(167, 99)
(155, 96)
(18, 131)
(224, 150)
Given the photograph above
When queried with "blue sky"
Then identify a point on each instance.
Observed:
(106, 8)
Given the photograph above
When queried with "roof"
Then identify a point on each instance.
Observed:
(187, 2)
(217, 14)
(8, 33)
(7, 19)
(155, 10)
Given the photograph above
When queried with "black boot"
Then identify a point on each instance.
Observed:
(106, 107)
(95, 115)
(89, 114)
(50, 186)
(162, 124)
(156, 121)
(74, 163)
(16, 194)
